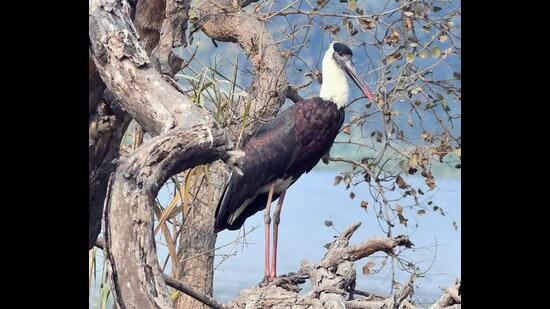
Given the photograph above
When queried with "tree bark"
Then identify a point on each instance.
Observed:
(330, 279)
(129, 242)
(106, 128)
(189, 136)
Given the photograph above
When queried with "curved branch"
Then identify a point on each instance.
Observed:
(126, 70)
(130, 245)
(330, 280)
(221, 22)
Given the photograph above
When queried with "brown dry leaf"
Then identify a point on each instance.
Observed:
(364, 205)
(401, 135)
(391, 58)
(424, 162)
(379, 136)
(347, 180)
(392, 38)
(367, 267)
(430, 181)
(402, 219)
(401, 183)
(421, 212)
(425, 135)
(408, 23)
(286, 54)
(399, 209)
(337, 180)
(367, 23)
(346, 130)
(332, 29)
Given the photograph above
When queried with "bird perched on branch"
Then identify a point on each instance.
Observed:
(285, 148)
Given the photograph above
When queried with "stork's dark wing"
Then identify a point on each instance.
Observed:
(268, 153)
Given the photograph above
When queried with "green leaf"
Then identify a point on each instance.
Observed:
(444, 104)
(435, 207)
(413, 161)
(328, 223)
(436, 52)
(410, 57)
(436, 9)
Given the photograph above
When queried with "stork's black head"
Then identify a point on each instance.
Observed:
(342, 50)
(342, 54)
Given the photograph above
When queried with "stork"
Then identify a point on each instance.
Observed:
(286, 147)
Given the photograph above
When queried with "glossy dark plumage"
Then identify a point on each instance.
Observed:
(288, 146)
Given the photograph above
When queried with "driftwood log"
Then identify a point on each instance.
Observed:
(332, 281)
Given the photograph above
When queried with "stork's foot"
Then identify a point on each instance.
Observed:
(267, 280)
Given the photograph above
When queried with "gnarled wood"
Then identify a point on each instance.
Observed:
(172, 35)
(189, 137)
(130, 245)
(126, 70)
(450, 299)
(269, 86)
(331, 279)
(106, 128)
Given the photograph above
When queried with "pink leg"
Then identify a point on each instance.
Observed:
(267, 221)
(276, 220)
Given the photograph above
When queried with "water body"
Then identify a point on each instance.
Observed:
(302, 235)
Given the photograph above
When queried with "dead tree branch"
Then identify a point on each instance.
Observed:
(172, 34)
(330, 280)
(269, 86)
(126, 70)
(450, 298)
(130, 245)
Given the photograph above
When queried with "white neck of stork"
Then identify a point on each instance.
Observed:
(335, 85)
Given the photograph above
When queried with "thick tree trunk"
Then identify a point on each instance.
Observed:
(188, 136)
(196, 254)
